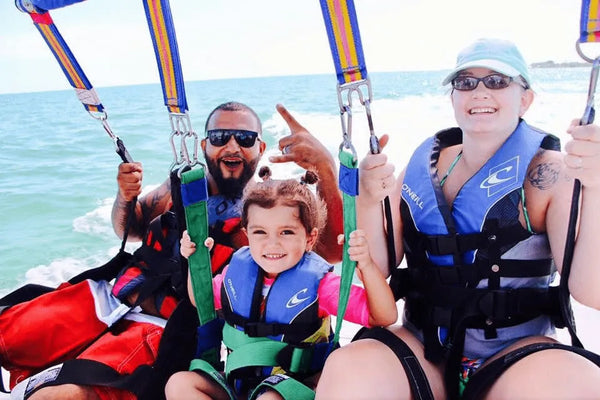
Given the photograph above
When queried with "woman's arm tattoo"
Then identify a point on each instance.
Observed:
(543, 175)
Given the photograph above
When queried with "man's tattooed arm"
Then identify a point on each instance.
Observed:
(146, 209)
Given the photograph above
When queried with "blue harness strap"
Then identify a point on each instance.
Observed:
(343, 33)
(164, 40)
(341, 24)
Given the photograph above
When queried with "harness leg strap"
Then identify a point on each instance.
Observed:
(288, 388)
(419, 385)
(481, 381)
(204, 367)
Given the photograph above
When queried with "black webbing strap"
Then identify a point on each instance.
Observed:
(262, 329)
(22, 294)
(84, 372)
(104, 272)
(419, 385)
(486, 376)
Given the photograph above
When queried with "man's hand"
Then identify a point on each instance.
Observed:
(300, 146)
(129, 179)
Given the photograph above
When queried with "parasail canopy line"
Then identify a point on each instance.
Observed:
(38, 11)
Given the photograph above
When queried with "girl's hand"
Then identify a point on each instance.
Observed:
(187, 247)
(583, 153)
(358, 250)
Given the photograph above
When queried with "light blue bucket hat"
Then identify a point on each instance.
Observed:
(496, 54)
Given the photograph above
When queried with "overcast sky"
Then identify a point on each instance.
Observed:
(240, 38)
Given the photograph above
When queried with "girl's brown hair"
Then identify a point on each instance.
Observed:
(288, 192)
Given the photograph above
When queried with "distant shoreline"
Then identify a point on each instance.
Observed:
(552, 64)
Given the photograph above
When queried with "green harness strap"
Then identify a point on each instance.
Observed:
(288, 388)
(348, 182)
(207, 368)
(194, 194)
(261, 351)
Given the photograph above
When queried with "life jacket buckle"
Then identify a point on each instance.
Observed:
(261, 329)
(252, 329)
(497, 305)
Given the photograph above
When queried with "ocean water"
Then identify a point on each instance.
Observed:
(58, 166)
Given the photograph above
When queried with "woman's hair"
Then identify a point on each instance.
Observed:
(288, 192)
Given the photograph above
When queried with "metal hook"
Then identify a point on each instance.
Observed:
(589, 113)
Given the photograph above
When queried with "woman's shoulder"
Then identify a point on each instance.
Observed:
(547, 163)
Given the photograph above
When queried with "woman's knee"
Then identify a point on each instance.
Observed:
(368, 369)
(549, 374)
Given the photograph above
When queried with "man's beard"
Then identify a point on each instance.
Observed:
(231, 187)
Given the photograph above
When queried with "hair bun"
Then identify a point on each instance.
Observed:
(309, 178)
(264, 173)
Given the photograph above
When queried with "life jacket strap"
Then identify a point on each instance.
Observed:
(404, 280)
(263, 329)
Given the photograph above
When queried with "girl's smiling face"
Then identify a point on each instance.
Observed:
(277, 238)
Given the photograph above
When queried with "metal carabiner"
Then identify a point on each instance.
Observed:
(182, 125)
(589, 113)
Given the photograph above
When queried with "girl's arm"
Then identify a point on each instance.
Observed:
(380, 299)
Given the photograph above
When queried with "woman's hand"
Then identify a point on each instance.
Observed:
(583, 153)
(376, 175)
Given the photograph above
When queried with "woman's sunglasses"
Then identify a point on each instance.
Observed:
(494, 81)
(220, 137)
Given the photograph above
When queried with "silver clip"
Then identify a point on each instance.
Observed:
(347, 90)
(589, 113)
(181, 125)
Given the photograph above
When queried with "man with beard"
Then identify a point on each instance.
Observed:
(92, 320)
(231, 166)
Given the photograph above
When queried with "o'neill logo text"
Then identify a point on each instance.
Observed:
(232, 288)
(412, 195)
(295, 300)
(501, 176)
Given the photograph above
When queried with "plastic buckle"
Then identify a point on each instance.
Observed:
(496, 304)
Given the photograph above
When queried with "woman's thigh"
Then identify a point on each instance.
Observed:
(369, 369)
(547, 374)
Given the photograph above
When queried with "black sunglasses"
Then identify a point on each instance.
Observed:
(493, 81)
(220, 137)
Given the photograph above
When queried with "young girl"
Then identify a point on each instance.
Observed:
(278, 290)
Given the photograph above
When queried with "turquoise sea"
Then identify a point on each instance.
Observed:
(58, 166)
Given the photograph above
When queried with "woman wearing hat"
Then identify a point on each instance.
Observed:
(481, 213)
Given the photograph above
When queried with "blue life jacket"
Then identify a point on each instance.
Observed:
(291, 306)
(472, 264)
